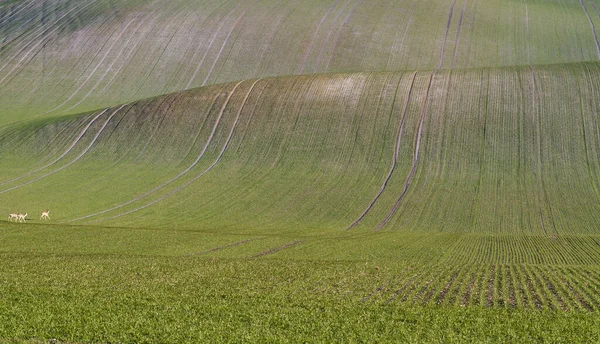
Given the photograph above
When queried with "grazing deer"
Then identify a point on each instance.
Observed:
(12, 216)
(21, 217)
(45, 215)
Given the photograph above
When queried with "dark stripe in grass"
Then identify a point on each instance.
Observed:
(215, 249)
(277, 249)
(592, 26)
(415, 157)
(396, 151)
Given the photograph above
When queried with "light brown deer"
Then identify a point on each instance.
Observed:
(13, 216)
(21, 217)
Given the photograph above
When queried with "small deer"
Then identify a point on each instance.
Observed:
(13, 216)
(21, 217)
(45, 215)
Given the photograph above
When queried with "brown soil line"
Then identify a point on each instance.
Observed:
(446, 35)
(277, 249)
(415, 157)
(219, 248)
(396, 152)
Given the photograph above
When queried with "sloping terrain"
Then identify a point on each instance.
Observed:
(59, 56)
(260, 170)
(369, 151)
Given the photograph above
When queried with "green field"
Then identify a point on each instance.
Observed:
(286, 171)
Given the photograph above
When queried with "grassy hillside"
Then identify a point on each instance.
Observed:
(61, 56)
(370, 151)
(261, 170)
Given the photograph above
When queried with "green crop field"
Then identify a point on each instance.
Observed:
(300, 171)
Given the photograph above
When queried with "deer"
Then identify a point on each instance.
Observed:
(45, 215)
(12, 216)
(21, 217)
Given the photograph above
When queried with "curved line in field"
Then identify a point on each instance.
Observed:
(338, 32)
(592, 26)
(35, 46)
(220, 248)
(199, 46)
(203, 172)
(482, 161)
(216, 59)
(159, 58)
(457, 39)
(396, 150)
(277, 249)
(392, 49)
(210, 44)
(72, 162)
(63, 154)
(312, 41)
(123, 46)
(133, 49)
(415, 158)
(446, 35)
(585, 139)
(527, 33)
(35, 33)
(208, 141)
(74, 80)
(537, 145)
(95, 69)
(23, 7)
(330, 31)
(272, 37)
(24, 34)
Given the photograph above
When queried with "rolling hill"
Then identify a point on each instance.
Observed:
(262, 170)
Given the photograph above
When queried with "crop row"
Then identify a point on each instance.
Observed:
(505, 286)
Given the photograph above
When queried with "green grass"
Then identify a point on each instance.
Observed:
(315, 154)
(354, 171)
(63, 57)
(81, 284)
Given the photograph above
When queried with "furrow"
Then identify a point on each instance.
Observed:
(216, 59)
(382, 288)
(203, 172)
(336, 39)
(393, 48)
(396, 150)
(212, 41)
(482, 158)
(63, 154)
(24, 6)
(446, 35)
(456, 40)
(331, 30)
(592, 27)
(19, 63)
(109, 68)
(91, 59)
(415, 157)
(160, 56)
(220, 248)
(312, 41)
(400, 291)
(73, 161)
(447, 287)
(108, 50)
(537, 144)
(277, 249)
(208, 141)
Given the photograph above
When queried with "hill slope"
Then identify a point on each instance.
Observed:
(60, 56)
(517, 147)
